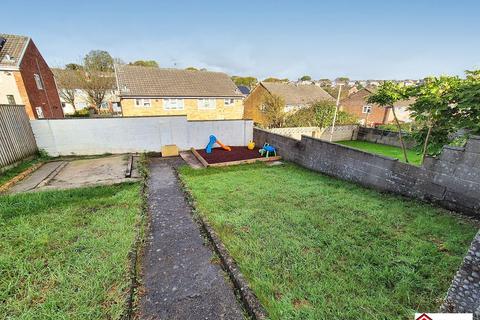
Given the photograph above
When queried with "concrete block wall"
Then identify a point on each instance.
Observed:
(452, 180)
(340, 133)
(136, 134)
(384, 137)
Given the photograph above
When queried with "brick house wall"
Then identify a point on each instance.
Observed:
(46, 98)
(354, 105)
(190, 109)
(252, 105)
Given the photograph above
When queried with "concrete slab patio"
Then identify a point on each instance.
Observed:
(180, 279)
(77, 173)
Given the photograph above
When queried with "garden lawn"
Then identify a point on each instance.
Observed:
(414, 157)
(64, 254)
(314, 247)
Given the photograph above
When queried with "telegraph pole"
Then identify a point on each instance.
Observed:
(336, 111)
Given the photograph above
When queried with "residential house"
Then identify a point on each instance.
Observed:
(295, 96)
(200, 95)
(373, 114)
(26, 79)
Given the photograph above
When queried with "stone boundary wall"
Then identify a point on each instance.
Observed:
(384, 137)
(451, 180)
(463, 296)
(134, 134)
(340, 133)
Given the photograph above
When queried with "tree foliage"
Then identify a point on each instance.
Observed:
(386, 96)
(145, 63)
(319, 114)
(73, 66)
(245, 81)
(98, 60)
(68, 82)
(273, 108)
(272, 79)
(305, 78)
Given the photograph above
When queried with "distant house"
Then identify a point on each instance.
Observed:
(110, 105)
(244, 90)
(371, 114)
(295, 96)
(26, 79)
(200, 95)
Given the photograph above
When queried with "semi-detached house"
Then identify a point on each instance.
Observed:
(199, 95)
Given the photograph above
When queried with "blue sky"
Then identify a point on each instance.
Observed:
(325, 39)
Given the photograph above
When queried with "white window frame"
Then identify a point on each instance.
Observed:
(206, 104)
(143, 103)
(173, 104)
(367, 109)
(10, 99)
(39, 112)
(229, 102)
(38, 81)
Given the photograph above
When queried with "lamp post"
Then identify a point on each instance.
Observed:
(336, 111)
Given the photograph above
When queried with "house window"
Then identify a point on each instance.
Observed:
(206, 103)
(228, 102)
(38, 81)
(104, 105)
(367, 109)
(11, 99)
(39, 111)
(146, 103)
(173, 104)
(80, 105)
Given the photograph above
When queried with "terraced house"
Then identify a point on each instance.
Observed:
(200, 95)
(26, 79)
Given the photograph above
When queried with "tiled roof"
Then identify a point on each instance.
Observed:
(297, 94)
(157, 82)
(14, 47)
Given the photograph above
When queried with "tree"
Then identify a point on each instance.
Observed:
(386, 96)
(68, 82)
(305, 78)
(319, 114)
(96, 84)
(145, 63)
(434, 108)
(191, 69)
(273, 109)
(468, 97)
(272, 79)
(245, 81)
(98, 60)
(73, 66)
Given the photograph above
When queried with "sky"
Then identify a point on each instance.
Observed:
(366, 39)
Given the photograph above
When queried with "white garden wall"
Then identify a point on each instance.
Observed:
(134, 134)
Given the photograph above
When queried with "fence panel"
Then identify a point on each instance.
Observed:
(16, 137)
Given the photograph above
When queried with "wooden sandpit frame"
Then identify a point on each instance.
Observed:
(232, 163)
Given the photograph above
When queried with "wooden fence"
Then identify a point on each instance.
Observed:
(16, 137)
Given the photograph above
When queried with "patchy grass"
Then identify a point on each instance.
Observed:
(64, 254)
(414, 157)
(314, 247)
(13, 172)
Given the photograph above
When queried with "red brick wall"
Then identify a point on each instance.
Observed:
(354, 105)
(48, 99)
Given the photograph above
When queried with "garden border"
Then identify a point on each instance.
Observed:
(250, 301)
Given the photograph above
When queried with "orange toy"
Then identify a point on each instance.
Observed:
(224, 146)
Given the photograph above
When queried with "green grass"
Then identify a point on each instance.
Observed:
(314, 247)
(414, 157)
(13, 172)
(64, 254)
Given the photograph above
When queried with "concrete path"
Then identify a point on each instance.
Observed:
(180, 280)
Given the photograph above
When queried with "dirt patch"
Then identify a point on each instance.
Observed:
(220, 155)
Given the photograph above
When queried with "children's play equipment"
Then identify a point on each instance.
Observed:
(267, 150)
(251, 145)
(214, 140)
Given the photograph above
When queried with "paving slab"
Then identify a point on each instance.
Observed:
(191, 160)
(180, 279)
(37, 177)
